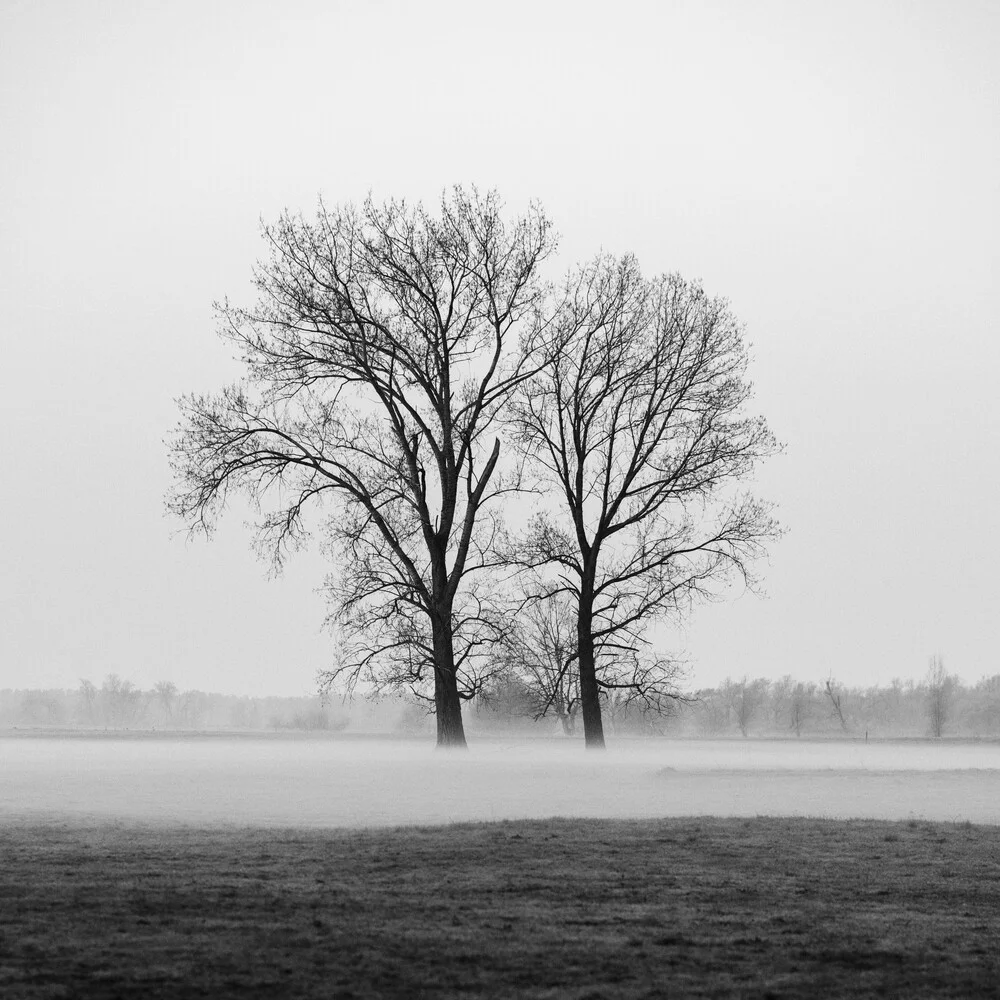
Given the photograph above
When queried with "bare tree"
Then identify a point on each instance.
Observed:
(713, 710)
(165, 693)
(507, 701)
(835, 697)
(779, 694)
(637, 423)
(541, 648)
(984, 710)
(800, 706)
(89, 697)
(940, 687)
(384, 343)
(121, 702)
(192, 707)
(638, 685)
(745, 698)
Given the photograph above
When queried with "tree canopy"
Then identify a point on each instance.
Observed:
(637, 426)
(383, 346)
(390, 353)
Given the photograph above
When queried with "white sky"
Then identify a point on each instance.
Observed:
(833, 169)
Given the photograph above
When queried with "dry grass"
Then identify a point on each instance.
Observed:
(672, 908)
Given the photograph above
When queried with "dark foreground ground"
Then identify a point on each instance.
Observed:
(583, 909)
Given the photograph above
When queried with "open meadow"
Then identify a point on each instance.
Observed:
(175, 866)
(559, 908)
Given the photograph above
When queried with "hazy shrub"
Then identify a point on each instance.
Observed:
(42, 708)
(629, 715)
(120, 702)
(191, 710)
(243, 714)
(509, 704)
(980, 706)
(710, 711)
(745, 698)
(318, 718)
(415, 718)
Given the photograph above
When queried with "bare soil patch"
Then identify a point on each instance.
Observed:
(558, 908)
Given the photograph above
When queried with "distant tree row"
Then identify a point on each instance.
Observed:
(118, 704)
(535, 685)
(939, 705)
(517, 701)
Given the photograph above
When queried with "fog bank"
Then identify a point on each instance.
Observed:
(276, 781)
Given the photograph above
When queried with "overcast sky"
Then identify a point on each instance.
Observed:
(832, 169)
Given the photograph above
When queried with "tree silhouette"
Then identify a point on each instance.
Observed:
(637, 425)
(383, 346)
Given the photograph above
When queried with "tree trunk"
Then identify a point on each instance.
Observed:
(590, 693)
(447, 703)
(566, 717)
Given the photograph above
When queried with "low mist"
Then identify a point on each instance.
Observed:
(284, 779)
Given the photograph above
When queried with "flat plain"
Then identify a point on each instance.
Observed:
(170, 865)
(697, 907)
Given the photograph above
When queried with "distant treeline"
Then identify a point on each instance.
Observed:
(119, 704)
(940, 705)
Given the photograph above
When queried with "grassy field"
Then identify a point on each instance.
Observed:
(558, 908)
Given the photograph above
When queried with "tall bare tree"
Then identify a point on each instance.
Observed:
(121, 702)
(800, 706)
(835, 695)
(383, 345)
(745, 697)
(940, 688)
(165, 695)
(638, 423)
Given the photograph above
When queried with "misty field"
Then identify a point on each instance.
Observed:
(286, 780)
(698, 907)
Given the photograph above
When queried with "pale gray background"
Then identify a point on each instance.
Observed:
(834, 169)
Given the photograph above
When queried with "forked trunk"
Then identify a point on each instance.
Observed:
(590, 693)
(447, 703)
